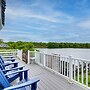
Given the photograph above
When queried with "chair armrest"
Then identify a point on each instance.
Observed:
(7, 70)
(6, 64)
(8, 56)
(13, 59)
(19, 71)
(27, 83)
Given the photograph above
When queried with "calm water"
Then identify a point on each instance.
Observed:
(76, 53)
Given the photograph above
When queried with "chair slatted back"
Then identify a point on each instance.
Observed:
(2, 63)
(1, 60)
(3, 80)
(2, 68)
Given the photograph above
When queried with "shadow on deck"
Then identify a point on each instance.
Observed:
(49, 80)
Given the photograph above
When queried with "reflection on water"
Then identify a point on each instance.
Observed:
(76, 53)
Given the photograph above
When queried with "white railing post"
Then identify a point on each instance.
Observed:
(28, 57)
(36, 56)
(59, 64)
(21, 54)
(87, 74)
(70, 68)
(44, 62)
(17, 52)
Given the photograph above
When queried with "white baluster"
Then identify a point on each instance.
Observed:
(67, 67)
(82, 73)
(86, 73)
(74, 71)
(78, 70)
(70, 68)
(44, 59)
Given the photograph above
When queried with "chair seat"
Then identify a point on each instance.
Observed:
(12, 77)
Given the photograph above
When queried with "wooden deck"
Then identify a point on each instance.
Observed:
(49, 80)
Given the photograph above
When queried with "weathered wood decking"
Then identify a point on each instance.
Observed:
(49, 80)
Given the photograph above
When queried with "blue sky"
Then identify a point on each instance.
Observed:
(47, 20)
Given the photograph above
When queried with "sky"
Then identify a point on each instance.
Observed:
(47, 21)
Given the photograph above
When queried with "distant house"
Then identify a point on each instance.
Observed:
(4, 46)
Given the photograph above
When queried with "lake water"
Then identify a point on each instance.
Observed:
(76, 53)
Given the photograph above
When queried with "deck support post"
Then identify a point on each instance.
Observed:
(70, 68)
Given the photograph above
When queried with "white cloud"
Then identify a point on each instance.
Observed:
(15, 35)
(14, 31)
(50, 15)
(84, 24)
(20, 13)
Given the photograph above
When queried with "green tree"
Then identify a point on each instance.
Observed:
(1, 41)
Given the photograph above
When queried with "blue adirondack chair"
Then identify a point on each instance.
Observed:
(25, 84)
(3, 65)
(11, 77)
(4, 60)
(15, 64)
(14, 76)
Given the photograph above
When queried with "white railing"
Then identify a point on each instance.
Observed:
(74, 69)
(19, 54)
(31, 56)
(8, 53)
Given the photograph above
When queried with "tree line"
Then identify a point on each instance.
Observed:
(32, 45)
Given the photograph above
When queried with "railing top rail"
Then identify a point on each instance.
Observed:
(82, 60)
(58, 55)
